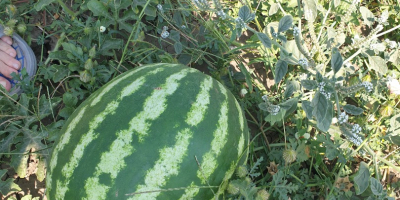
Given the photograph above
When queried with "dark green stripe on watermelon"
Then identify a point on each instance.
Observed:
(94, 173)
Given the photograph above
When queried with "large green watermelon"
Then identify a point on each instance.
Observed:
(162, 131)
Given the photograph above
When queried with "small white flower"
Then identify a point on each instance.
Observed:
(321, 87)
(274, 109)
(164, 34)
(160, 8)
(243, 92)
(384, 17)
(102, 29)
(221, 14)
(296, 31)
(265, 98)
(368, 86)
(393, 85)
(391, 44)
(240, 23)
(183, 26)
(356, 129)
(303, 62)
(343, 117)
(379, 28)
(303, 76)
(355, 39)
(356, 139)
(274, 34)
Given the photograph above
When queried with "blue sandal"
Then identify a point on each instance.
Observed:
(25, 56)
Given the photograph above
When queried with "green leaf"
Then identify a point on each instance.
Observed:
(336, 3)
(264, 39)
(395, 57)
(393, 133)
(361, 179)
(273, 9)
(337, 60)
(110, 44)
(306, 105)
(376, 186)
(354, 110)
(43, 3)
(310, 10)
(300, 151)
(285, 23)
(290, 106)
(280, 70)
(367, 15)
(98, 9)
(178, 47)
(7, 185)
(246, 73)
(60, 55)
(60, 72)
(175, 35)
(272, 119)
(69, 99)
(246, 14)
(291, 87)
(309, 84)
(378, 64)
(322, 111)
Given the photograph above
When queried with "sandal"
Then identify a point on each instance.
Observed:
(24, 55)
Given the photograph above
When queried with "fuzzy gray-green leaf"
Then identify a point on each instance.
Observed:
(354, 110)
(280, 70)
(378, 64)
(246, 14)
(264, 39)
(285, 23)
(337, 61)
(306, 105)
(367, 15)
(178, 47)
(309, 84)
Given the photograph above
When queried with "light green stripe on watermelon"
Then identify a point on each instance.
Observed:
(196, 113)
(209, 160)
(116, 82)
(190, 192)
(170, 158)
(63, 141)
(121, 147)
(68, 169)
(166, 166)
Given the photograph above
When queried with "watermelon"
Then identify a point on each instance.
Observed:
(161, 131)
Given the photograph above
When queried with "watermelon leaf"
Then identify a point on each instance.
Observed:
(361, 178)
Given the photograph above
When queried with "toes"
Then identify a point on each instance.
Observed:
(6, 47)
(5, 69)
(5, 83)
(7, 60)
(7, 39)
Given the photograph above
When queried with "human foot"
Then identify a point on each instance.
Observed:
(8, 63)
